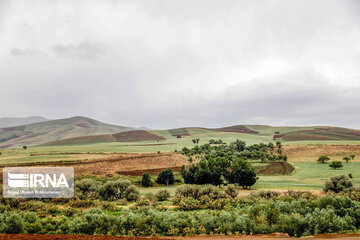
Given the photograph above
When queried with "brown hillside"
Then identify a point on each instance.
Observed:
(136, 136)
(236, 129)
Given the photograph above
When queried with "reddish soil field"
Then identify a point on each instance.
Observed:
(125, 163)
(236, 129)
(151, 171)
(131, 164)
(308, 137)
(203, 237)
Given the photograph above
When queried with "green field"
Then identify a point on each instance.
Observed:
(308, 176)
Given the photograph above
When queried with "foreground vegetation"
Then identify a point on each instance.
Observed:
(207, 197)
(192, 210)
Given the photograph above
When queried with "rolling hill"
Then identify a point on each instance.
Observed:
(10, 122)
(55, 130)
(244, 132)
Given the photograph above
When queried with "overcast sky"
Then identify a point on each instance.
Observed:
(170, 63)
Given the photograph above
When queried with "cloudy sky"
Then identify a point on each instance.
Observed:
(175, 63)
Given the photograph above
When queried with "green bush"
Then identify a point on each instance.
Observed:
(92, 221)
(31, 228)
(87, 188)
(166, 177)
(231, 191)
(146, 180)
(119, 189)
(12, 222)
(162, 195)
(338, 184)
(148, 200)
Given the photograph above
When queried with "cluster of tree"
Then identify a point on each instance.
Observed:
(265, 152)
(213, 141)
(217, 167)
(325, 158)
(165, 177)
(197, 140)
(348, 158)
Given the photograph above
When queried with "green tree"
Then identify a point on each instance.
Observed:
(352, 156)
(347, 159)
(338, 184)
(336, 164)
(238, 145)
(146, 180)
(166, 177)
(24, 147)
(323, 159)
(242, 174)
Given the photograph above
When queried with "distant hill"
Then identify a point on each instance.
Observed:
(55, 130)
(128, 136)
(11, 122)
(244, 132)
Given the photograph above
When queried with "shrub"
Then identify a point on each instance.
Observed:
(166, 177)
(110, 206)
(338, 184)
(146, 180)
(119, 189)
(231, 191)
(148, 200)
(162, 195)
(30, 217)
(77, 203)
(92, 221)
(87, 188)
(12, 223)
(265, 194)
(31, 228)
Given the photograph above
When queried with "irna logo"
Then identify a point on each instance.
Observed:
(36, 180)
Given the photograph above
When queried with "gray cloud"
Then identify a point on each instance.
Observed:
(183, 63)
(82, 50)
(22, 52)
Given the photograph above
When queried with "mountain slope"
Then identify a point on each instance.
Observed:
(54, 130)
(244, 132)
(10, 122)
(128, 136)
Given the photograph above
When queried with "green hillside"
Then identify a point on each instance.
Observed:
(180, 137)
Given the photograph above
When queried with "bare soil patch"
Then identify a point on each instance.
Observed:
(237, 129)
